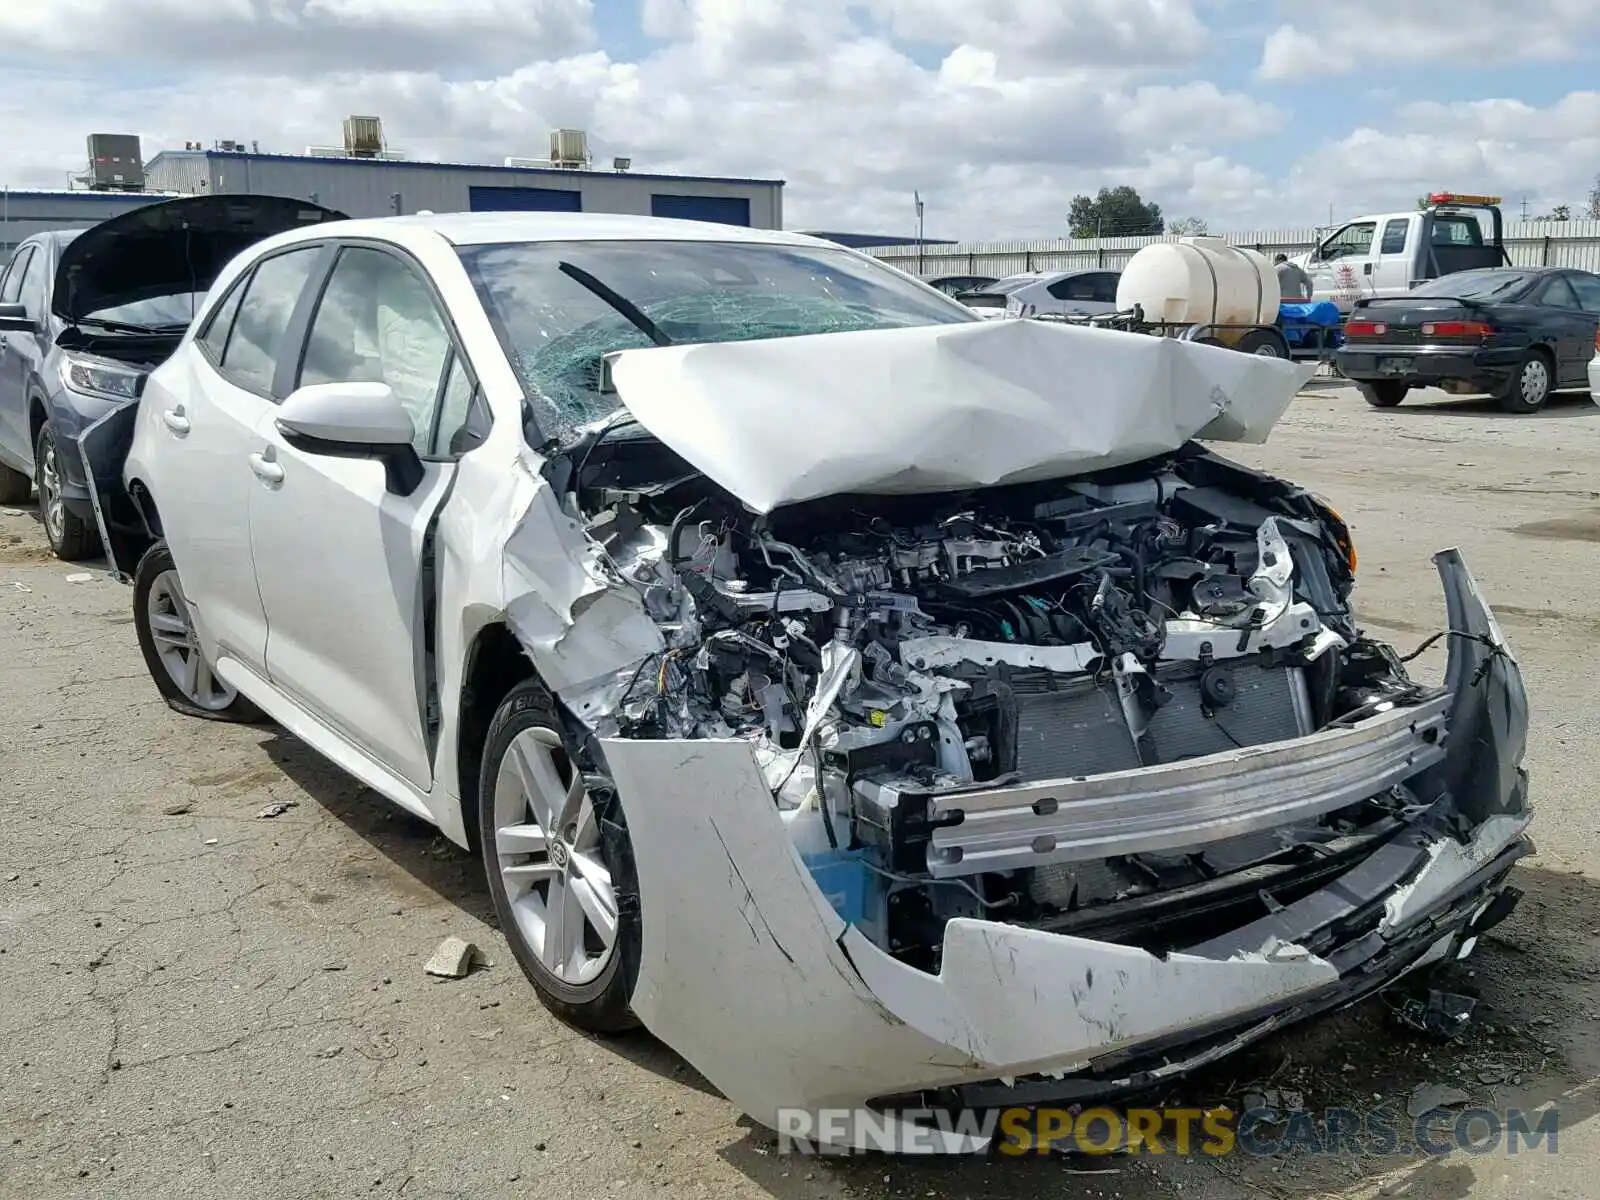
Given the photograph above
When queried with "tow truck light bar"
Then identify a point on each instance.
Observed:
(1461, 198)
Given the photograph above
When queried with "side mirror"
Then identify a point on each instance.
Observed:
(354, 420)
(14, 318)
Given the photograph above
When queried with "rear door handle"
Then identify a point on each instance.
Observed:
(174, 420)
(265, 469)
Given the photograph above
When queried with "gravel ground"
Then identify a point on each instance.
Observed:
(197, 1001)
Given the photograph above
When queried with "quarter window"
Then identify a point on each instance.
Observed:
(1558, 293)
(1588, 289)
(1394, 236)
(12, 287)
(377, 323)
(255, 339)
(215, 339)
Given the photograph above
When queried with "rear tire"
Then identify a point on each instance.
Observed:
(15, 487)
(171, 650)
(1264, 343)
(1383, 394)
(1531, 383)
(560, 866)
(72, 538)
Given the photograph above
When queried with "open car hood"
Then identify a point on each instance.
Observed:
(942, 407)
(175, 246)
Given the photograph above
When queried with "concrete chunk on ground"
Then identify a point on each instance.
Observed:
(453, 959)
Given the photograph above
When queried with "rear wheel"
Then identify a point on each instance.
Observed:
(1264, 343)
(560, 866)
(71, 537)
(1385, 393)
(172, 650)
(1530, 385)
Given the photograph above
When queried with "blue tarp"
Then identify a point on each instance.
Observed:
(1314, 322)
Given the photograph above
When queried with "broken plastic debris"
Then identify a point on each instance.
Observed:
(453, 959)
(211, 841)
(79, 577)
(1442, 1014)
(1429, 1097)
(276, 809)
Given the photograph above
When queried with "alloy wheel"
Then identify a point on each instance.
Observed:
(179, 648)
(547, 841)
(51, 505)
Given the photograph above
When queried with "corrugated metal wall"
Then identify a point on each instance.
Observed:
(1531, 243)
(380, 189)
(25, 213)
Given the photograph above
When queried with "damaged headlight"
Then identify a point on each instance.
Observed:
(101, 378)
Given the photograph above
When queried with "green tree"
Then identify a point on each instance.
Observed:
(1188, 226)
(1115, 212)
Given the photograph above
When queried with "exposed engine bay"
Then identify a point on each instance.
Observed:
(898, 663)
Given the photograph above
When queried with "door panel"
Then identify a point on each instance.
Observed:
(1573, 330)
(338, 556)
(207, 416)
(205, 429)
(20, 354)
(338, 563)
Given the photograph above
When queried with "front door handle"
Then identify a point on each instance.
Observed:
(265, 469)
(174, 420)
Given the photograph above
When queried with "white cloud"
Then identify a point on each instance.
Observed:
(998, 113)
(1099, 33)
(1463, 35)
(297, 37)
(1546, 155)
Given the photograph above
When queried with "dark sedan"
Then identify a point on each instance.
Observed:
(1517, 333)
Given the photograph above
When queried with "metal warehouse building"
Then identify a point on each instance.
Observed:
(374, 187)
(366, 179)
(24, 213)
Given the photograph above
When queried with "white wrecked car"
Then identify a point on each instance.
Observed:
(886, 707)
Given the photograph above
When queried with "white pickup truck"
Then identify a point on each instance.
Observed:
(1390, 253)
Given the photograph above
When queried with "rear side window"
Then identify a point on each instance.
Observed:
(1075, 287)
(255, 340)
(1394, 236)
(1588, 289)
(1558, 293)
(1105, 287)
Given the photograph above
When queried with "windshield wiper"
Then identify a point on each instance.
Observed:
(624, 307)
(125, 327)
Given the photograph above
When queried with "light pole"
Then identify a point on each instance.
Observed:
(917, 196)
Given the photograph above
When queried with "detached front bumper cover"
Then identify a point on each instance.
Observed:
(750, 974)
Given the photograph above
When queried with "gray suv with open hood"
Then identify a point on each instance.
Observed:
(85, 315)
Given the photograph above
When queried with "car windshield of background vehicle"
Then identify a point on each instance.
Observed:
(1473, 285)
(555, 330)
(153, 312)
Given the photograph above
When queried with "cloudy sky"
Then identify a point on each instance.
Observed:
(1248, 113)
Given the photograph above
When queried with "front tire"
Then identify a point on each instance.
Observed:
(1530, 385)
(72, 538)
(172, 650)
(1385, 393)
(1264, 343)
(555, 848)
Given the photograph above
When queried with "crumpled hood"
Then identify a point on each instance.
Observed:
(942, 407)
(175, 246)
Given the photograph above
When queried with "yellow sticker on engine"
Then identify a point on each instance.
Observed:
(878, 717)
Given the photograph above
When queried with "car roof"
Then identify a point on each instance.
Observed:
(485, 228)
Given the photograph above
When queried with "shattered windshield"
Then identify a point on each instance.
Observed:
(555, 330)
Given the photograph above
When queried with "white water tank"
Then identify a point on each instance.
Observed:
(1200, 281)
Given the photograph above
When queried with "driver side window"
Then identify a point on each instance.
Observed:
(1353, 241)
(377, 323)
(11, 289)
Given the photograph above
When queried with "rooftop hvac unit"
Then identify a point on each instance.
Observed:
(116, 163)
(326, 152)
(363, 137)
(529, 164)
(392, 155)
(569, 148)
